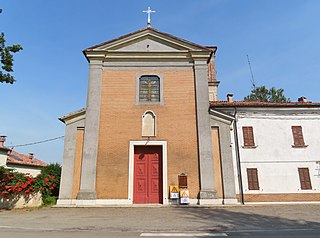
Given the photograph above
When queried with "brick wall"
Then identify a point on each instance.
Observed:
(120, 122)
(77, 162)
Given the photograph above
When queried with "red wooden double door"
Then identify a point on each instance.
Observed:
(147, 174)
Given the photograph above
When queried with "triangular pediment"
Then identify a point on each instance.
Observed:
(148, 40)
(147, 43)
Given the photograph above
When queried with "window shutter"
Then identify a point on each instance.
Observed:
(297, 136)
(304, 176)
(248, 135)
(253, 182)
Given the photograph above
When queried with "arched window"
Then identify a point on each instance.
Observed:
(148, 124)
(149, 88)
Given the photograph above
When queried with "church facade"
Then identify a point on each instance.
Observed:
(146, 122)
(152, 117)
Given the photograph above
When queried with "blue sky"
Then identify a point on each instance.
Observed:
(281, 38)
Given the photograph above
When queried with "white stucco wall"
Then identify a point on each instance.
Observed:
(26, 170)
(3, 157)
(274, 157)
(34, 200)
(235, 162)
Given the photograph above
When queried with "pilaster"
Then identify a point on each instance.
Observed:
(91, 134)
(207, 192)
(67, 163)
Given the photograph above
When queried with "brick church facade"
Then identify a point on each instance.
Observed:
(148, 120)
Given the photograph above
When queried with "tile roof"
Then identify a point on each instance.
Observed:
(17, 158)
(262, 104)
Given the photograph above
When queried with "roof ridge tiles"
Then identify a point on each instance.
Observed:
(253, 103)
(14, 157)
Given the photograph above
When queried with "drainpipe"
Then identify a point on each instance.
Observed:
(238, 156)
(221, 169)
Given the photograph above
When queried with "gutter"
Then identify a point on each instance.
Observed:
(26, 165)
(238, 156)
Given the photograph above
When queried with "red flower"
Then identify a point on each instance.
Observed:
(51, 188)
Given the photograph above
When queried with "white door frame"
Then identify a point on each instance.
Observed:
(164, 167)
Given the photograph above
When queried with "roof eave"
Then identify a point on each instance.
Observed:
(72, 115)
(5, 149)
(27, 165)
(263, 105)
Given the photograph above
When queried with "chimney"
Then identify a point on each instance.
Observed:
(31, 157)
(2, 140)
(230, 97)
(302, 99)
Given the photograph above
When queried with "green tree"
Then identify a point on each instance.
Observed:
(6, 57)
(263, 94)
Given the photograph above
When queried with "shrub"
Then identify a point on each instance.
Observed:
(13, 184)
(50, 182)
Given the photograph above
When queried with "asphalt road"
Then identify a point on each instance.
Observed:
(97, 234)
(240, 221)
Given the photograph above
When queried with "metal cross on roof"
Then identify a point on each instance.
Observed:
(149, 11)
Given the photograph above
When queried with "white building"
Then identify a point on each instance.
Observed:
(21, 163)
(276, 145)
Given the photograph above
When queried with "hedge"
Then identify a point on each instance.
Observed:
(14, 184)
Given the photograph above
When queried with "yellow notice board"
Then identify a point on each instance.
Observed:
(184, 196)
(174, 192)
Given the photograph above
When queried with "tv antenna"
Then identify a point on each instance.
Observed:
(252, 77)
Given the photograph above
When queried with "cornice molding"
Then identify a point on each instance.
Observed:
(73, 116)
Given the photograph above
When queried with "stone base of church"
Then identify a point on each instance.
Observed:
(66, 202)
(126, 202)
(205, 194)
(86, 195)
(230, 201)
(94, 202)
(204, 202)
